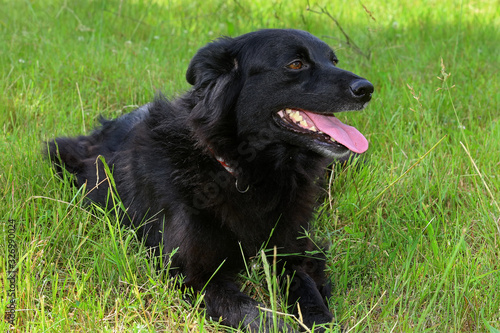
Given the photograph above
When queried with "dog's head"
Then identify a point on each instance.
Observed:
(285, 83)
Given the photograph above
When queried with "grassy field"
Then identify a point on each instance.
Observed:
(414, 234)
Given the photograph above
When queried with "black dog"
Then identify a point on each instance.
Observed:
(231, 165)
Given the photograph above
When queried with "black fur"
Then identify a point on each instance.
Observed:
(163, 157)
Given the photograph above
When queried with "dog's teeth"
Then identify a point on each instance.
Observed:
(295, 116)
(298, 119)
(332, 139)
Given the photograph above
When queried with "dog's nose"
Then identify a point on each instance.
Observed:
(362, 89)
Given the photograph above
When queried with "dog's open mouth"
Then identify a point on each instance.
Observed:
(325, 128)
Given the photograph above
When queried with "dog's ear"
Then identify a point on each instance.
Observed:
(211, 62)
(217, 82)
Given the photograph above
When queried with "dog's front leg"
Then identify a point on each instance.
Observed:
(304, 291)
(224, 300)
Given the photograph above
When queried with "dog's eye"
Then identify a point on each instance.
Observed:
(335, 62)
(297, 64)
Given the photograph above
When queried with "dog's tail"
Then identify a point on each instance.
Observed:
(78, 155)
(68, 153)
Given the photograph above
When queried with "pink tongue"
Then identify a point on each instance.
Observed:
(342, 133)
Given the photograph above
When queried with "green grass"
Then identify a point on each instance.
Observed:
(414, 234)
